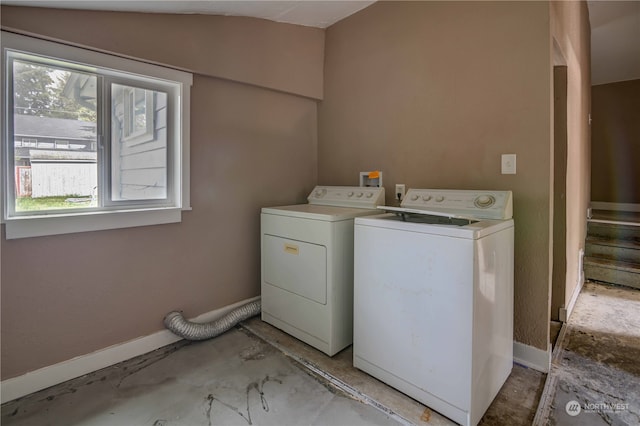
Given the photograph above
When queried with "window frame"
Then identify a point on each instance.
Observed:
(112, 215)
(133, 136)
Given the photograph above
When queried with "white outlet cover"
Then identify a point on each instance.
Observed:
(508, 164)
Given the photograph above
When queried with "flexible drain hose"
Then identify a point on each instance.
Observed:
(175, 322)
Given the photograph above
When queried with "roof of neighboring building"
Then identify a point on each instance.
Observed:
(41, 155)
(57, 128)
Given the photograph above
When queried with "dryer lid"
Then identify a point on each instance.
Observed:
(315, 212)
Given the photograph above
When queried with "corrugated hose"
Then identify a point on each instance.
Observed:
(189, 330)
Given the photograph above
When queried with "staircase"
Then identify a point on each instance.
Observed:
(612, 250)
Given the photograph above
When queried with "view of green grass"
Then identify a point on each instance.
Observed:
(48, 203)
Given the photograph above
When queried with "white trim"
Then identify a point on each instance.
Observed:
(184, 180)
(37, 226)
(83, 56)
(532, 357)
(576, 291)
(178, 82)
(622, 207)
(51, 375)
(613, 222)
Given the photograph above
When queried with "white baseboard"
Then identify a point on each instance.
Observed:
(45, 377)
(532, 357)
(624, 207)
(574, 298)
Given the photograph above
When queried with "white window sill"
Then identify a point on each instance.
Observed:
(38, 226)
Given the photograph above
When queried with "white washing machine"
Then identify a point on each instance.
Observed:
(307, 264)
(433, 298)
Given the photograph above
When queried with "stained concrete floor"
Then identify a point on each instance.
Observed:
(595, 372)
(252, 375)
(234, 379)
(515, 404)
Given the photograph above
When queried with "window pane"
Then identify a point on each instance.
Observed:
(51, 103)
(138, 143)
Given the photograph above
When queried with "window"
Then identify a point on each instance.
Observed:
(138, 112)
(29, 142)
(90, 141)
(45, 145)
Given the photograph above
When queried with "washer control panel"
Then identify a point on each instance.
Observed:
(347, 196)
(480, 204)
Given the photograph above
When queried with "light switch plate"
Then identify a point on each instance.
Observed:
(508, 164)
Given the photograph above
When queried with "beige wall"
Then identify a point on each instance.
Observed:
(264, 53)
(571, 34)
(432, 93)
(69, 295)
(615, 169)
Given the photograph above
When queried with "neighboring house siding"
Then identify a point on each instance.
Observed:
(142, 167)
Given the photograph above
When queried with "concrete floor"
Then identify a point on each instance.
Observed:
(235, 379)
(252, 375)
(595, 366)
(515, 404)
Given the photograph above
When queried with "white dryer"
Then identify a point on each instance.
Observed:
(307, 264)
(433, 298)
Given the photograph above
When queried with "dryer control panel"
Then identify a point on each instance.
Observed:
(474, 203)
(347, 196)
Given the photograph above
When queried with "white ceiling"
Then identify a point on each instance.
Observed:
(615, 25)
(310, 13)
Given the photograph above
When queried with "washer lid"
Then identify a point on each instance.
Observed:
(436, 225)
(319, 212)
(401, 211)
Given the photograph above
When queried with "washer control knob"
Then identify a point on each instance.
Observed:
(414, 197)
(350, 194)
(369, 194)
(359, 194)
(439, 198)
(320, 192)
(426, 197)
(484, 201)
